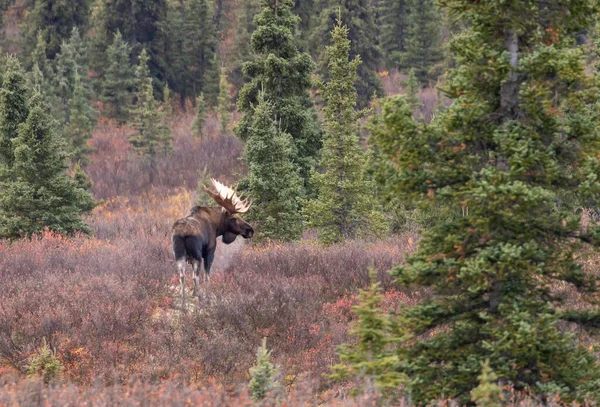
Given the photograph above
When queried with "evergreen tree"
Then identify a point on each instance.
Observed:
(307, 11)
(521, 136)
(38, 192)
(423, 43)
(393, 21)
(262, 374)
(14, 109)
(362, 32)
(118, 80)
(138, 21)
(241, 53)
(71, 61)
(487, 393)
(413, 91)
(273, 180)
(173, 56)
(344, 207)
(54, 21)
(167, 102)
(201, 113)
(284, 75)
(79, 129)
(200, 47)
(153, 135)
(39, 58)
(81, 179)
(372, 358)
(224, 103)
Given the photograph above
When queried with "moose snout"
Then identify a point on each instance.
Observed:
(248, 233)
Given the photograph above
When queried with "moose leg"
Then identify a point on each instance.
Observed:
(181, 268)
(196, 267)
(208, 260)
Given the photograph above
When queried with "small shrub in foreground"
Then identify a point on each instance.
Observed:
(45, 364)
(263, 374)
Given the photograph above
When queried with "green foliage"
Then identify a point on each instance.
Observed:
(45, 364)
(153, 134)
(521, 135)
(54, 21)
(358, 15)
(200, 48)
(488, 393)
(371, 360)
(283, 75)
(273, 180)
(413, 91)
(71, 61)
(139, 23)
(393, 19)
(167, 101)
(423, 43)
(79, 129)
(344, 206)
(263, 374)
(118, 80)
(14, 108)
(201, 114)
(81, 178)
(224, 103)
(242, 53)
(203, 199)
(189, 39)
(37, 193)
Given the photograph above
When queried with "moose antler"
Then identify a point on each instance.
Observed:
(227, 198)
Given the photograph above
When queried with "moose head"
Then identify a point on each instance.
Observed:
(232, 205)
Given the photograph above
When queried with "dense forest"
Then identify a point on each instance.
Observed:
(424, 178)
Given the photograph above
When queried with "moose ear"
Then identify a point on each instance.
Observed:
(229, 237)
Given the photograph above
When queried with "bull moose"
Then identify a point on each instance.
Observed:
(195, 236)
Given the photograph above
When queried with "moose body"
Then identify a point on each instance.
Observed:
(194, 237)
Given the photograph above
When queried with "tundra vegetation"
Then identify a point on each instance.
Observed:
(424, 179)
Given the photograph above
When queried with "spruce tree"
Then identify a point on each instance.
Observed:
(224, 103)
(393, 19)
(173, 61)
(413, 92)
(153, 136)
(360, 19)
(263, 374)
(283, 74)
(201, 113)
(200, 45)
(371, 360)
(14, 109)
(79, 129)
(138, 21)
(167, 102)
(344, 206)
(518, 148)
(423, 43)
(241, 52)
(488, 393)
(118, 80)
(72, 60)
(273, 181)
(54, 21)
(38, 193)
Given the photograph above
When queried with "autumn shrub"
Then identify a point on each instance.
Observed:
(15, 392)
